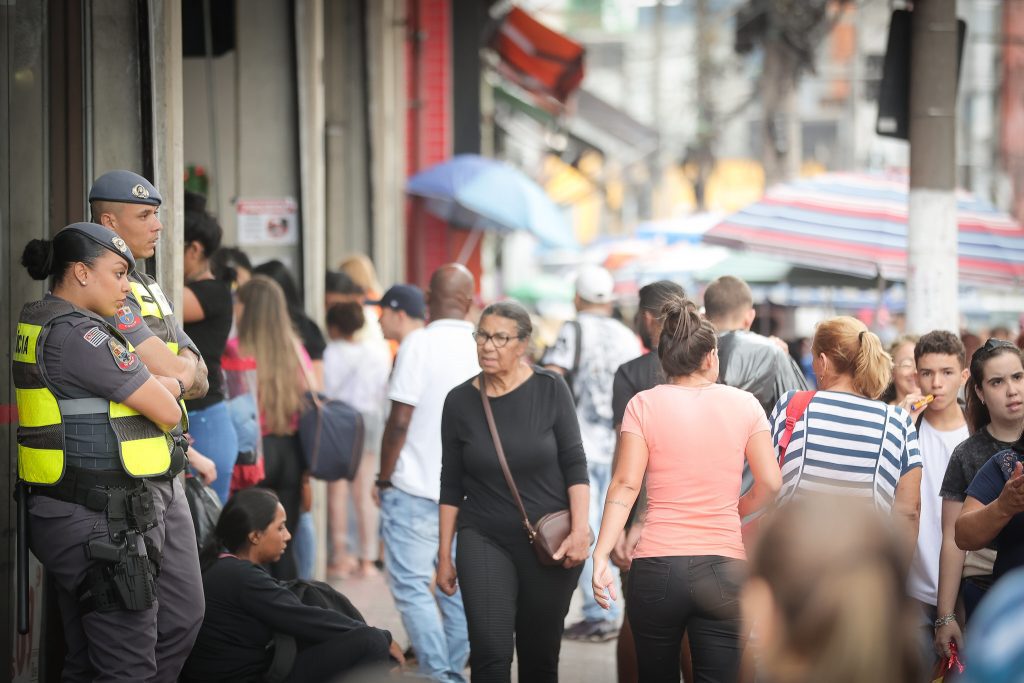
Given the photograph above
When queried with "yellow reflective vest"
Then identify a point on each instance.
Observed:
(158, 315)
(144, 450)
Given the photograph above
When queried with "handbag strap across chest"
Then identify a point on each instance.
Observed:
(501, 457)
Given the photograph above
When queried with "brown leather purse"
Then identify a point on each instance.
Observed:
(551, 530)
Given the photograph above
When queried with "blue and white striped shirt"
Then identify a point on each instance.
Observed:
(857, 447)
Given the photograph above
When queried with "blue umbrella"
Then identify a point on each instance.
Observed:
(485, 194)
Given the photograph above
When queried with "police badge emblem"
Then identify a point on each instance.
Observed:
(126, 318)
(140, 192)
(124, 358)
(120, 244)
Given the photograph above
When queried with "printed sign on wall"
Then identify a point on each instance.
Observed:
(267, 222)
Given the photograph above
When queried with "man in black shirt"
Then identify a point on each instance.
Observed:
(632, 377)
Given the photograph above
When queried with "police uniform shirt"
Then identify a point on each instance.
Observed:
(83, 360)
(129, 322)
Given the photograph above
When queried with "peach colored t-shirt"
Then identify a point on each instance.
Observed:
(696, 438)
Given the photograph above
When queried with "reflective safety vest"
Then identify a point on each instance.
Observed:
(158, 315)
(144, 450)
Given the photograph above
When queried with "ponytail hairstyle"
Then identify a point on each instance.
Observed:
(856, 351)
(249, 510)
(687, 337)
(835, 570)
(977, 412)
(45, 258)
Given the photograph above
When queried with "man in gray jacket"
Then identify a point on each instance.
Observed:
(748, 360)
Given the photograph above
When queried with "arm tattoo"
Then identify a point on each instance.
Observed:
(619, 503)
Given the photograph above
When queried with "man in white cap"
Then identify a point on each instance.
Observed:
(588, 352)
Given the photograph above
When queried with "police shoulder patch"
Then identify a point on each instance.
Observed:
(95, 336)
(126, 319)
(125, 359)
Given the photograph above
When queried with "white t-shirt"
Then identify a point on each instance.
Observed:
(357, 373)
(936, 447)
(605, 344)
(431, 362)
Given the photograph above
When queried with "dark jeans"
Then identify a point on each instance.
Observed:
(282, 460)
(512, 599)
(698, 595)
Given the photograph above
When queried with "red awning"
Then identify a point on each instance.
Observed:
(537, 58)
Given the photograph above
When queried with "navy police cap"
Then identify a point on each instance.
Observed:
(125, 187)
(105, 237)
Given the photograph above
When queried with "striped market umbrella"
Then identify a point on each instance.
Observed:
(857, 224)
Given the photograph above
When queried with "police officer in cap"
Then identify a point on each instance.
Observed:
(128, 204)
(93, 430)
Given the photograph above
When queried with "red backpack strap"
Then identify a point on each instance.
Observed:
(795, 409)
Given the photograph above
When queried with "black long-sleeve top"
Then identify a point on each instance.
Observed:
(245, 606)
(541, 439)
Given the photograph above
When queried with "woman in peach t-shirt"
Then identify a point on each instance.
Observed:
(690, 437)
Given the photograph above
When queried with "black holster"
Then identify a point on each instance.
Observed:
(122, 577)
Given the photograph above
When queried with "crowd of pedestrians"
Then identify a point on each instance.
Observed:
(723, 520)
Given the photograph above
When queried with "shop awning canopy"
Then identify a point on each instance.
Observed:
(857, 224)
(537, 58)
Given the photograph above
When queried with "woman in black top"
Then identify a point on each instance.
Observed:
(246, 607)
(509, 597)
(207, 313)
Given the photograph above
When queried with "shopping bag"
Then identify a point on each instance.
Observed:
(204, 505)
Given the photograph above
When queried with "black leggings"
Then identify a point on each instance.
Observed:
(282, 460)
(359, 649)
(510, 598)
(698, 595)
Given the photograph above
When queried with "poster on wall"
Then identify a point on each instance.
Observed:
(267, 222)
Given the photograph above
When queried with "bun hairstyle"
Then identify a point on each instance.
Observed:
(835, 571)
(686, 337)
(854, 350)
(43, 258)
(251, 509)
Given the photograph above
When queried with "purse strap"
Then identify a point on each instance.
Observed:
(501, 457)
(317, 405)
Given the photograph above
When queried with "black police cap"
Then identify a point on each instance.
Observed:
(124, 187)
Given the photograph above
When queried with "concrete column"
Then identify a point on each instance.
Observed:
(386, 26)
(932, 267)
(168, 159)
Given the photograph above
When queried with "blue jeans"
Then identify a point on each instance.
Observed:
(435, 622)
(600, 480)
(214, 434)
(305, 546)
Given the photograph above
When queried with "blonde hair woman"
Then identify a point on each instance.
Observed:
(265, 333)
(847, 442)
(825, 596)
(360, 268)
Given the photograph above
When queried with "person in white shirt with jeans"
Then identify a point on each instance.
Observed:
(941, 372)
(588, 352)
(430, 363)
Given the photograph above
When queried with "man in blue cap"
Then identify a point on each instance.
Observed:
(403, 309)
(129, 204)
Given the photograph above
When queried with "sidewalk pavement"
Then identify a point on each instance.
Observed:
(580, 662)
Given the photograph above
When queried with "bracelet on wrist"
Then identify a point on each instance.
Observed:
(383, 483)
(945, 619)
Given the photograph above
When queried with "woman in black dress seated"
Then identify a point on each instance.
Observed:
(246, 607)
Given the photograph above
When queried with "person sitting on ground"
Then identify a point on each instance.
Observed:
(246, 607)
(826, 597)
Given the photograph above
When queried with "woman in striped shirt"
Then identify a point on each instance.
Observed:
(847, 442)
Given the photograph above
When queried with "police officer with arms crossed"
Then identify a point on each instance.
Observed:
(93, 429)
(128, 204)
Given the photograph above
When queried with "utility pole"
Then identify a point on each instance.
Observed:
(657, 175)
(932, 266)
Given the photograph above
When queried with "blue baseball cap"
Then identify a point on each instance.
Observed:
(124, 187)
(408, 298)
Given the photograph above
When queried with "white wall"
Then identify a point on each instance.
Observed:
(256, 118)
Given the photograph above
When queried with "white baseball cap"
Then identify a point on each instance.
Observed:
(595, 285)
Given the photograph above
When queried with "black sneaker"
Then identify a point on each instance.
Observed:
(592, 631)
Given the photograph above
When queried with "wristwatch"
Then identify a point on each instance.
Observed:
(181, 387)
(383, 483)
